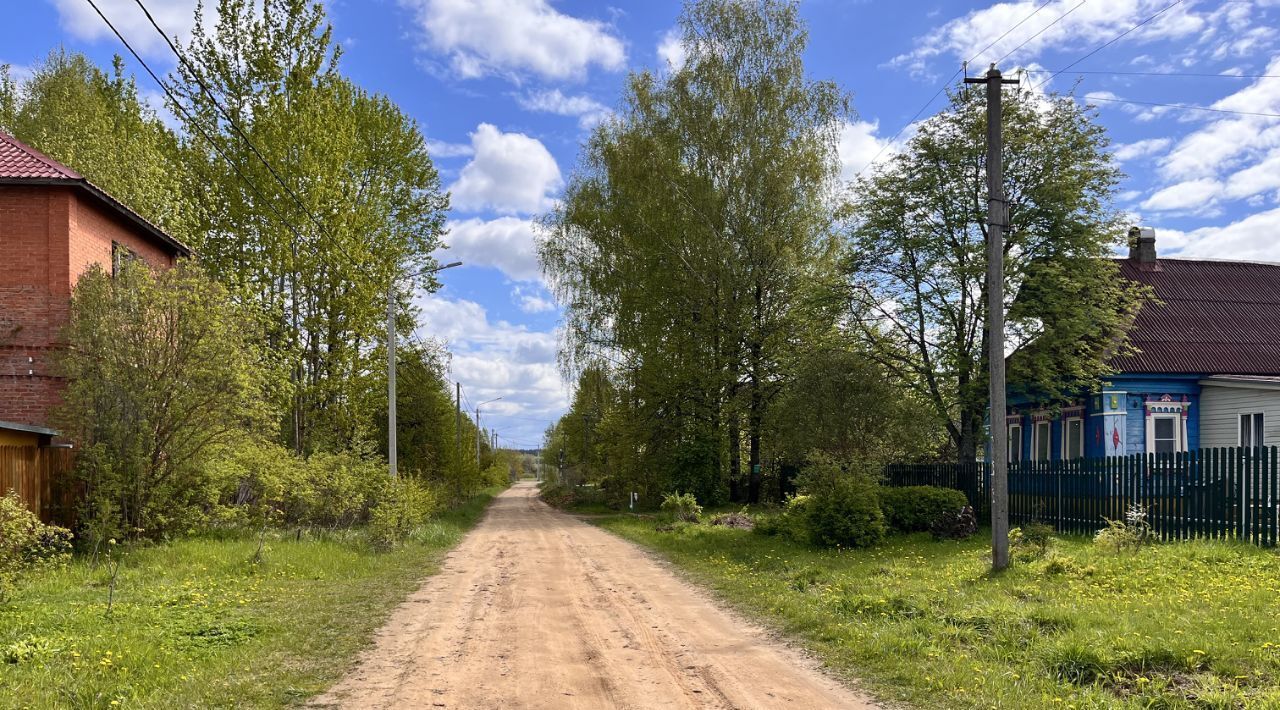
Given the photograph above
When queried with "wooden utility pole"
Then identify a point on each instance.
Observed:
(996, 218)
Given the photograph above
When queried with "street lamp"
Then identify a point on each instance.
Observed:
(391, 366)
(478, 429)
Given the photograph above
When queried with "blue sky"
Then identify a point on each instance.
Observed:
(505, 91)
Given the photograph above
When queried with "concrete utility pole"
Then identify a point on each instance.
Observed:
(997, 215)
(391, 367)
(479, 430)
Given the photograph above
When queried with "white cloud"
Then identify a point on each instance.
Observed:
(1082, 27)
(1140, 149)
(588, 111)
(859, 145)
(515, 37)
(1252, 238)
(176, 17)
(499, 359)
(506, 243)
(1192, 195)
(511, 173)
(671, 50)
(443, 149)
(532, 300)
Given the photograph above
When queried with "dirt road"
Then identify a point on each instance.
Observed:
(535, 609)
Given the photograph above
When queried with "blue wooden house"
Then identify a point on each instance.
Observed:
(1206, 374)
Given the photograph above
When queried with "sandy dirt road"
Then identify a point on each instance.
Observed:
(535, 609)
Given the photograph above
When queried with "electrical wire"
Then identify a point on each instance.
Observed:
(235, 126)
(1188, 107)
(949, 79)
(1159, 73)
(1113, 40)
(212, 143)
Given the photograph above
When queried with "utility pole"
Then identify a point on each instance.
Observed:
(479, 430)
(391, 366)
(997, 215)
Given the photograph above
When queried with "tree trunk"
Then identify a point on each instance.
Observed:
(736, 494)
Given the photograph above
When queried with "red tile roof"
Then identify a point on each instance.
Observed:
(1216, 317)
(21, 164)
(20, 161)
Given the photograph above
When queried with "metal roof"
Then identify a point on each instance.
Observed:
(1213, 317)
(20, 164)
(28, 428)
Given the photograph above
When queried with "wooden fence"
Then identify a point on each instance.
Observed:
(41, 477)
(1211, 493)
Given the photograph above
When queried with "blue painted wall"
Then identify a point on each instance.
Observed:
(1137, 389)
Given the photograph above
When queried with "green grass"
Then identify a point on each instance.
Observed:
(1190, 625)
(196, 624)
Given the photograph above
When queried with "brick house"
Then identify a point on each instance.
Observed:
(54, 225)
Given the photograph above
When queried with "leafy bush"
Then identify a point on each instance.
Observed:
(1129, 534)
(681, 506)
(1031, 541)
(844, 505)
(404, 504)
(26, 543)
(557, 494)
(918, 508)
(956, 525)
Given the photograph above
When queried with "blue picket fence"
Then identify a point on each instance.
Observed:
(1211, 493)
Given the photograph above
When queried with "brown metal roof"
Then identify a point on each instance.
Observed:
(1214, 317)
(20, 164)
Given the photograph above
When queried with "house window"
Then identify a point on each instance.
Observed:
(1251, 433)
(1015, 443)
(1073, 438)
(1040, 441)
(1166, 433)
(121, 255)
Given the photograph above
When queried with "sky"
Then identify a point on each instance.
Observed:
(506, 91)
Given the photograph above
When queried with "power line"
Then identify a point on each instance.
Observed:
(1113, 40)
(235, 126)
(1044, 29)
(949, 79)
(1160, 73)
(1188, 107)
(200, 130)
(1008, 31)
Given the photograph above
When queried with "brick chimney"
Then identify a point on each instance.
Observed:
(1142, 246)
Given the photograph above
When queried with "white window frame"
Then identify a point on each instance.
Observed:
(1035, 439)
(1179, 432)
(1257, 429)
(1015, 452)
(1067, 454)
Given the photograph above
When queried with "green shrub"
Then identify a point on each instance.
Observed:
(403, 505)
(1129, 534)
(918, 508)
(845, 511)
(26, 543)
(681, 506)
(1031, 541)
(557, 494)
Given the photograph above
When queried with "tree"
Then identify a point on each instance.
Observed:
(349, 211)
(916, 258)
(159, 373)
(96, 123)
(688, 239)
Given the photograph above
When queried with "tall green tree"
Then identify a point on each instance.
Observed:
(916, 257)
(688, 239)
(96, 122)
(345, 218)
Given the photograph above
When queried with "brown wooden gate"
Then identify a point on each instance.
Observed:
(41, 477)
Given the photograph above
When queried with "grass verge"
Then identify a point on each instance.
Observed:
(195, 623)
(1188, 625)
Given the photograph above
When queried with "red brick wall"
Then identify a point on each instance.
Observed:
(49, 236)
